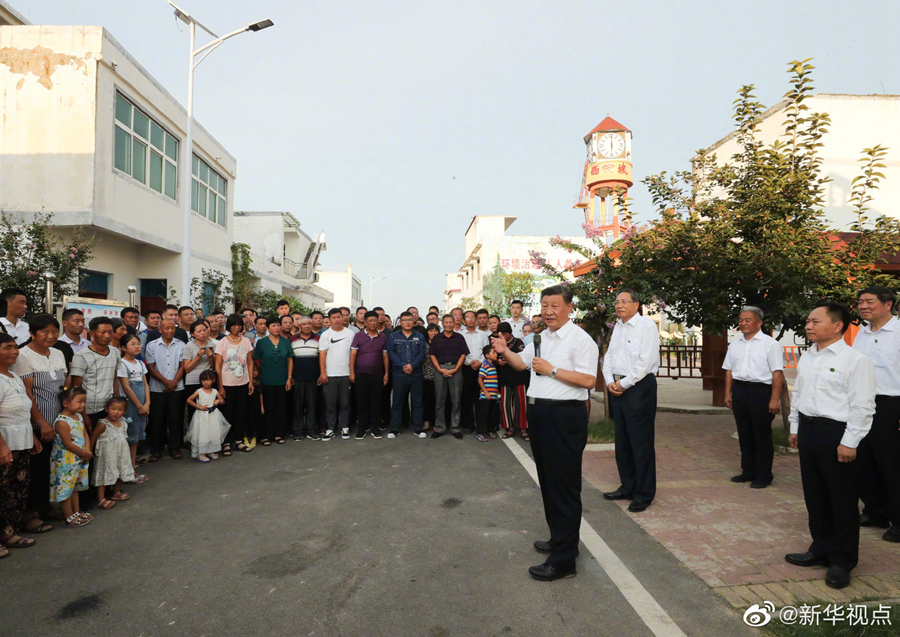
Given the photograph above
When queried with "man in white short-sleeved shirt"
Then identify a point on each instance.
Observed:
(563, 372)
(754, 376)
(334, 375)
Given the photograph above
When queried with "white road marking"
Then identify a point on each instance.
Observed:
(647, 608)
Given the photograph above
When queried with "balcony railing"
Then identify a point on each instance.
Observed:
(296, 270)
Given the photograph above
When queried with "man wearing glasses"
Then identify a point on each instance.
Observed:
(628, 370)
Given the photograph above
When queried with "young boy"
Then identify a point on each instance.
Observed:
(489, 400)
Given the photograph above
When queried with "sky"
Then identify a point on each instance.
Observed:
(389, 125)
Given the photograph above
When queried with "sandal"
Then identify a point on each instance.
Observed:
(154, 457)
(265, 443)
(525, 436)
(39, 528)
(202, 458)
(76, 520)
(140, 478)
(106, 504)
(226, 449)
(506, 435)
(280, 441)
(86, 516)
(140, 461)
(213, 456)
(244, 448)
(119, 497)
(175, 455)
(482, 438)
(493, 434)
(3, 552)
(17, 542)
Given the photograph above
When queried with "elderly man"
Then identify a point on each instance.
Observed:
(563, 372)
(834, 400)
(448, 356)
(628, 370)
(165, 366)
(305, 345)
(369, 373)
(879, 341)
(457, 315)
(754, 377)
(476, 339)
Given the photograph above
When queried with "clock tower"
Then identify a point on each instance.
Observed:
(607, 170)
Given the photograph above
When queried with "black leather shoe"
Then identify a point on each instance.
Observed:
(542, 547)
(618, 494)
(806, 559)
(759, 485)
(457, 435)
(437, 434)
(865, 520)
(547, 573)
(742, 478)
(637, 506)
(892, 534)
(837, 577)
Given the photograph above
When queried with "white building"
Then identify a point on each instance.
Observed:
(90, 136)
(857, 122)
(486, 242)
(284, 257)
(346, 287)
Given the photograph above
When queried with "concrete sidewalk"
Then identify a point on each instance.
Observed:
(734, 537)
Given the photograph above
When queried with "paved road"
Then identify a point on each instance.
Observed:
(341, 538)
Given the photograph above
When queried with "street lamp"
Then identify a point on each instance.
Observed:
(186, 177)
(372, 280)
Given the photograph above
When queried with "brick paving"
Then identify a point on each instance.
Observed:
(735, 537)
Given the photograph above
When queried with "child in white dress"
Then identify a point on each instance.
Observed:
(112, 457)
(208, 426)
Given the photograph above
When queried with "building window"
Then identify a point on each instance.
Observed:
(144, 151)
(93, 285)
(209, 192)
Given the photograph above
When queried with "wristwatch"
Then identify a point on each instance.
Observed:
(553, 373)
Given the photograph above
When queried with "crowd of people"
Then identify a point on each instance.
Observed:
(84, 407)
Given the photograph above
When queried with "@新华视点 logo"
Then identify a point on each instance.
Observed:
(759, 616)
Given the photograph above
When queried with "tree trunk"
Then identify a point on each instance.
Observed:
(712, 355)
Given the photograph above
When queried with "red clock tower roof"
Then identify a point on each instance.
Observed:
(608, 124)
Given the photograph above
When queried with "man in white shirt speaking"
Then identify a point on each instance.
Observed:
(628, 371)
(754, 377)
(563, 371)
(879, 452)
(832, 401)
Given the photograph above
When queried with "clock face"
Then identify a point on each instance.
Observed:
(611, 145)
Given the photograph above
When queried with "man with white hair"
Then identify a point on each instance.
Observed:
(754, 376)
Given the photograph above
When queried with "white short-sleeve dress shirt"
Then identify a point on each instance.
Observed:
(570, 348)
(837, 382)
(754, 360)
(883, 349)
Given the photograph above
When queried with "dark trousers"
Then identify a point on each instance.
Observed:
(188, 392)
(831, 491)
(428, 401)
(254, 415)
(750, 403)
(274, 421)
(386, 402)
(488, 416)
(39, 491)
(305, 394)
(234, 410)
(166, 422)
(406, 386)
(445, 388)
(468, 397)
(879, 462)
(320, 408)
(337, 403)
(634, 413)
(368, 401)
(558, 437)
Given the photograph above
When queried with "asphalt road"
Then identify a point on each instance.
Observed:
(400, 537)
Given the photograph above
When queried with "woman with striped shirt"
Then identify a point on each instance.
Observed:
(42, 369)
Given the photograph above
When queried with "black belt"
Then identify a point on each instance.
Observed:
(821, 420)
(549, 402)
(750, 383)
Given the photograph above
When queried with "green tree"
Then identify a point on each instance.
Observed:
(469, 303)
(212, 291)
(517, 286)
(31, 249)
(242, 287)
(264, 301)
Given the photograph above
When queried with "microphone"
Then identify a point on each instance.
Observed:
(537, 348)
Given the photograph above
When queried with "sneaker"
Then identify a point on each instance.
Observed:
(392, 435)
(422, 434)
(376, 433)
(345, 433)
(360, 434)
(314, 437)
(328, 435)
(298, 438)
(383, 427)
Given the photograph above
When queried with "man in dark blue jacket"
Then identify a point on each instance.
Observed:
(406, 349)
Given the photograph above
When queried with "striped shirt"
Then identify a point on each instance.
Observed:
(49, 374)
(98, 374)
(488, 376)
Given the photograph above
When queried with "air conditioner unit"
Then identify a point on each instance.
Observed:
(315, 277)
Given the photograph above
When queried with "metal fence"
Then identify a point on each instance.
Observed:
(679, 361)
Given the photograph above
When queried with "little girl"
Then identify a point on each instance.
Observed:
(70, 457)
(112, 458)
(208, 426)
(132, 376)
